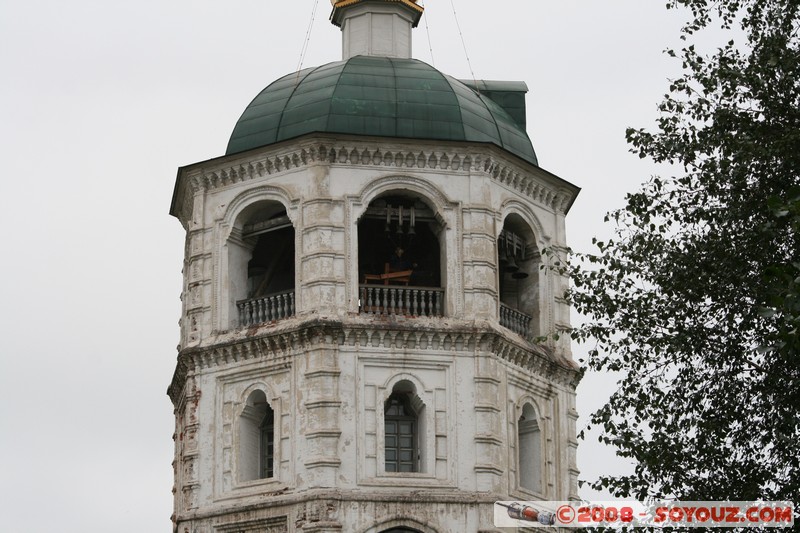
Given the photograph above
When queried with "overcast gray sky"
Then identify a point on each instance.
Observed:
(101, 101)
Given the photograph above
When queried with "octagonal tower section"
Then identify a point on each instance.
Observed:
(368, 330)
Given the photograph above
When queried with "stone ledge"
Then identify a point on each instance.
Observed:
(276, 345)
(533, 182)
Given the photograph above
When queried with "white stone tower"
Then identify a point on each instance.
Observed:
(364, 335)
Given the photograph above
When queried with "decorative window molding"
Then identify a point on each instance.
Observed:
(401, 434)
(256, 442)
(530, 451)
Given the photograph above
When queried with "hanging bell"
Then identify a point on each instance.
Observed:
(519, 274)
(511, 265)
(503, 257)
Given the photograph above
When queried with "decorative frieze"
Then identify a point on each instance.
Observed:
(275, 346)
(536, 184)
(277, 524)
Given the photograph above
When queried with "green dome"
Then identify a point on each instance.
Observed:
(377, 96)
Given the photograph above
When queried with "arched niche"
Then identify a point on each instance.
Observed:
(519, 277)
(404, 426)
(400, 524)
(402, 255)
(256, 439)
(261, 265)
(529, 450)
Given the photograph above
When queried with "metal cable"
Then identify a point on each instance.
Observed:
(307, 40)
(464, 44)
(428, 31)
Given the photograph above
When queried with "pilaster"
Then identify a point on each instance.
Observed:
(322, 259)
(322, 404)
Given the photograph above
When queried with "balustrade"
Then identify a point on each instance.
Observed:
(405, 301)
(266, 308)
(516, 321)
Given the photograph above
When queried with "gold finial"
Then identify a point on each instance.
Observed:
(342, 3)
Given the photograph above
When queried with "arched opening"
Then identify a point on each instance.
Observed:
(400, 257)
(404, 429)
(261, 265)
(529, 441)
(256, 438)
(519, 260)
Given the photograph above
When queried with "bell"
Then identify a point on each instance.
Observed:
(519, 274)
(503, 257)
(511, 265)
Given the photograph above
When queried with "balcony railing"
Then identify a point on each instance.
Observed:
(404, 301)
(266, 308)
(516, 321)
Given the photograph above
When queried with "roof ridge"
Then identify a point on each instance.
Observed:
(396, 99)
(297, 84)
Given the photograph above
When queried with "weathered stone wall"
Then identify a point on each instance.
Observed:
(327, 371)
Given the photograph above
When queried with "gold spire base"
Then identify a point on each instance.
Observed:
(341, 4)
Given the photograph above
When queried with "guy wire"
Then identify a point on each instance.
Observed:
(307, 40)
(428, 31)
(464, 44)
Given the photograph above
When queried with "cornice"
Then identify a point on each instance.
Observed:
(532, 182)
(275, 348)
(283, 499)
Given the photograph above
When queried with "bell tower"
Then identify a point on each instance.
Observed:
(366, 330)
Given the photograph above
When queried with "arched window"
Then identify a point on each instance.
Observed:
(529, 442)
(400, 257)
(519, 260)
(256, 439)
(261, 264)
(403, 426)
(400, 425)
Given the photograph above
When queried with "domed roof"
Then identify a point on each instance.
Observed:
(377, 96)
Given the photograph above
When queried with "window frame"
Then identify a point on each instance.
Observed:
(410, 418)
(266, 466)
(537, 436)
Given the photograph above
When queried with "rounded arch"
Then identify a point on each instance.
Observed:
(523, 211)
(402, 239)
(247, 394)
(417, 386)
(427, 191)
(436, 263)
(530, 459)
(258, 243)
(247, 200)
(527, 399)
(401, 524)
(407, 442)
(255, 435)
(520, 280)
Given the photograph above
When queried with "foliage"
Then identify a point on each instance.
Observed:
(695, 300)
